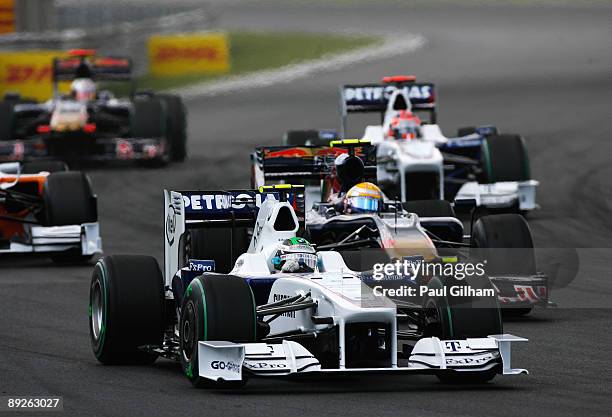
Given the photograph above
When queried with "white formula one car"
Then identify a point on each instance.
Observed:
(282, 310)
(44, 208)
(416, 161)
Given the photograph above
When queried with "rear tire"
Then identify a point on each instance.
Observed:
(176, 126)
(126, 309)
(149, 121)
(504, 158)
(505, 242)
(206, 314)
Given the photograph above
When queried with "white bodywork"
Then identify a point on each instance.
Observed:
(44, 239)
(291, 358)
(396, 158)
(68, 115)
(501, 194)
(340, 296)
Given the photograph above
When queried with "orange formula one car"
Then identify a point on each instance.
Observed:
(44, 208)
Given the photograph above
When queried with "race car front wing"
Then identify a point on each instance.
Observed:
(84, 148)
(521, 194)
(228, 361)
(84, 237)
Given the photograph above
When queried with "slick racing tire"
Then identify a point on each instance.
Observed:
(39, 166)
(149, 120)
(68, 199)
(504, 158)
(504, 241)
(216, 244)
(215, 307)
(6, 120)
(460, 317)
(176, 124)
(126, 309)
(430, 208)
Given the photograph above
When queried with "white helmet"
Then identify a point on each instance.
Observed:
(83, 89)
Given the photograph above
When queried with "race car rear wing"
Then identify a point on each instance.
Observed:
(231, 209)
(98, 68)
(299, 163)
(373, 98)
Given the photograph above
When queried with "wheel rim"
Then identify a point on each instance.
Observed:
(188, 332)
(97, 309)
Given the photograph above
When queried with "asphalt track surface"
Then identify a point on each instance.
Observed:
(544, 72)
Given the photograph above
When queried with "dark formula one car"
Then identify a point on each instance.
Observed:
(92, 125)
(426, 228)
(283, 310)
(44, 208)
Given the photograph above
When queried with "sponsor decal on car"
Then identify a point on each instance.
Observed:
(170, 224)
(470, 360)
(226, 365)
(198, 265)
(266, 365)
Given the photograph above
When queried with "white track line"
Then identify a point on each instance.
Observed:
(392, 45)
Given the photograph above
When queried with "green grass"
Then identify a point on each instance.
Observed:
(255, 51)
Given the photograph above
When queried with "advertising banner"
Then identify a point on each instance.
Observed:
(28, 73)
(189, 54)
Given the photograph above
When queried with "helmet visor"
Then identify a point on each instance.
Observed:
(364, 204)
(303, 262)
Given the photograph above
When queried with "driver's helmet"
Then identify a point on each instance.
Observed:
(295, 255)
(405, 126)
(364, 197)
(83, 89)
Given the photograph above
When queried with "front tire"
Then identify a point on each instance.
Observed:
(457, 317)
(126, 309)
(68, 199)
(208, 314)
